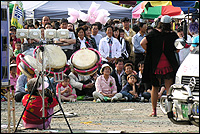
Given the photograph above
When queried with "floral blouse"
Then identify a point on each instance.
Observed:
(107, 87)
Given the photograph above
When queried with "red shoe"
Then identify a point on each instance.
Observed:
(153, 114)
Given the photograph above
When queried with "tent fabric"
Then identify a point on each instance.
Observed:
(137, 10)
(171, 10)
(155, 12)
(184, 5)
(160, 3)
(59, 9)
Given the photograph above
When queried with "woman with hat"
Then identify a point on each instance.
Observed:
(35, 105)
(160, 59)
(106, 88)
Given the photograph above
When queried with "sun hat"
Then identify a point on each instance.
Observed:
(103, 66)
(32, 82)
(166, 19)
(46, 84)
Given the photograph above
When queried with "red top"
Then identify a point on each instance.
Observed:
(35, 106)
(163, 66)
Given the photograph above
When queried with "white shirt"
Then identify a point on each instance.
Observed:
(97, 38)
(82, 42)
(119, 76)
(127, 32)
(104, 48)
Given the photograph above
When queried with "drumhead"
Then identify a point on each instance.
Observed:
(33, 62)
(23, 70)
(84, 59)
(54, 56)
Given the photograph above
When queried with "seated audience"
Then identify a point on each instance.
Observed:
(129, 91)
(35, 105)
(106, 88)
(83, 85)
(65, 90)
(128, 69)
(117, 73)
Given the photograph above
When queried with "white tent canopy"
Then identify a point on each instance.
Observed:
(59, 9)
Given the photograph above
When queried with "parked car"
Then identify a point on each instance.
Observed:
(182, 102)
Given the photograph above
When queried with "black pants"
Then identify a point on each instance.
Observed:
(138, 57)
(68, 53)
(19, 96)
(85, 91)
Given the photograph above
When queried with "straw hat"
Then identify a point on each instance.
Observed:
(103, 66)
(32, 82)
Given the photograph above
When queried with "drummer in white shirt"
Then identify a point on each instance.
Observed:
(109, 48)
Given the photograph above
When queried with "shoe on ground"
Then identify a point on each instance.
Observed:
(98, 100)
(88, 98)
(113, 99)
(142, 99)
(126, 98)
(72, 100)
(153, 114)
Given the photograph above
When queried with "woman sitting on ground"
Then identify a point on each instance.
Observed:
(106, 88)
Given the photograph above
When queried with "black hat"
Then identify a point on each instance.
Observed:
(125, 19)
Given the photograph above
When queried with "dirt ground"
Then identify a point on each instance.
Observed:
(107, 117)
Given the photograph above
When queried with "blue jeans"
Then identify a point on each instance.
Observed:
(146, 95)
(126, 94)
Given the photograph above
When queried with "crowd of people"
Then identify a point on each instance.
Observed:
(138, 64)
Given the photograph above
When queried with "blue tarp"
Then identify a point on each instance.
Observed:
(59, 9)
(184, 6)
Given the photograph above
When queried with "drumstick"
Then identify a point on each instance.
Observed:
(8, 92)
(13, 104)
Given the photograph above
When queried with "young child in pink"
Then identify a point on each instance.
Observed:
(65, 90)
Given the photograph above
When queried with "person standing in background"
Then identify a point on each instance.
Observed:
(138, 50)
(129, 33)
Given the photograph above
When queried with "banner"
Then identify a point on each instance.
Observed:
(17, 15)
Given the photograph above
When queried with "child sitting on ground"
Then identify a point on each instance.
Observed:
(31, 120)
(66, 90)
(129, 90)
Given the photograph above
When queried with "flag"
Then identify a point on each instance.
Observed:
(17, 15)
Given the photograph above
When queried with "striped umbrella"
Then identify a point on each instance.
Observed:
(143, 6)
(155, 12)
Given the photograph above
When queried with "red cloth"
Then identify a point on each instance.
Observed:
(163, 66)
(186, 46)
(35, 106)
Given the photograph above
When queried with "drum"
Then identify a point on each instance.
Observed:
(86, 61)
(54, 60)
(28, 65)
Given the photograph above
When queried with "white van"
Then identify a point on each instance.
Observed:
(182, 102)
